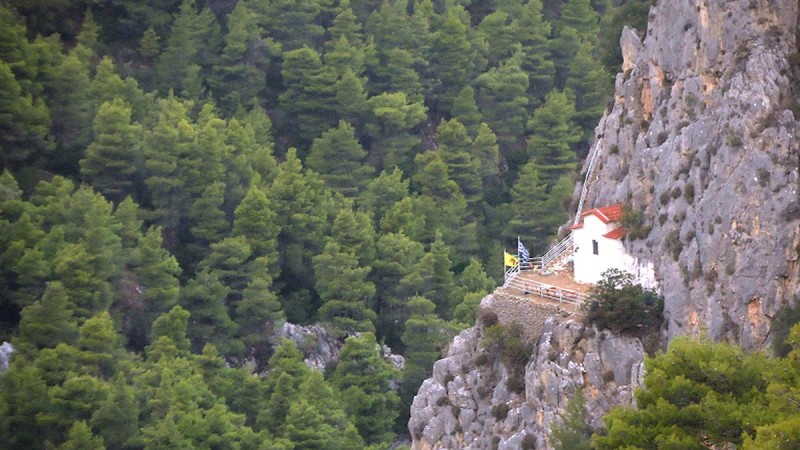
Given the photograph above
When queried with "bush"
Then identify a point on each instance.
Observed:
(622, 306)
(529, 442)
(634, 222)
(516, 382)
(688, 193)
(500, 412)
(487, 317)
(506, 342)
(781, 325)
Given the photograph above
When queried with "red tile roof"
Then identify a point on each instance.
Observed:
(616, 233)
(611, 213)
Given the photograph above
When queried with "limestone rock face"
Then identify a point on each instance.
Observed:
(701, 137)
(467, 405)
(6, 349)
(321, 349)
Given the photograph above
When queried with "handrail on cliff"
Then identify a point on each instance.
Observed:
(547, 291)
(557, 251)
(585, 189)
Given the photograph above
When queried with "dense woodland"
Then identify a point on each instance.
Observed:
(181, 178)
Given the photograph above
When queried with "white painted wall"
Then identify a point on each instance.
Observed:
(611, 253)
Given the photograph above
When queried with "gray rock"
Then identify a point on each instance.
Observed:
(702, 107)
(6, 349)
(630, 44)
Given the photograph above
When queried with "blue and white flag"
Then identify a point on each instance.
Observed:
(522, 251)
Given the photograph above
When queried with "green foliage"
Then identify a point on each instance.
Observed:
(573, 433)
(434, 93)
(337, 157)
(554, 132)
(363, 378)
(697, 394)
(344, 289)
(506, 343)
(424, 337)
(624, 307)
(634, 222)
(111, 159)
(782, 324)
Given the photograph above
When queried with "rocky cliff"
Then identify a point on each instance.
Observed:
(469, 403)
(701, 139)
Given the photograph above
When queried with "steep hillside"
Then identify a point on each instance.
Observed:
(475, 400)
(701, 139)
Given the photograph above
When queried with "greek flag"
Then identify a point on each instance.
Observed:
(522, 251)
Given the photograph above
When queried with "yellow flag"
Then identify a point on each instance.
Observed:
(509, 259)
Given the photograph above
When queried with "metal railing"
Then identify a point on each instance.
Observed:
(585, 188)
(555, 252)
(548, 291)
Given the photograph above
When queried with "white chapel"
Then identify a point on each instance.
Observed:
(598, 246)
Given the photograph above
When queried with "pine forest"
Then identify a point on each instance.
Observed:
(182, 178)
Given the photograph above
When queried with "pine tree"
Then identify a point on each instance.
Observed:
(156, 276)
(473, 284)
(190, 39)
(563, 49)
(338, 157)
(24, 123)
(257, 222)
(466, 111)
(48, 322)
(112, 160)
(239, 78)
(553, 133)
(353, 231)
(210, 223)
(487, 154)
(81, 438)
(71, 110)
(579, 15)
(437, 276)
(107, 85)
(395, 115)
(363, 378)
(308, 94)
(395, 269)
(259, 314)
(99, 344)
(382, 192)
(503, 100)
(317, 421)
(23, 397)
(351, 98)
(530, 208)
(150, 45)
(455, 146)
(117, 418)
(501, 35)
(299, 202)
(393, 70)
(204, 296)
(534, 34)
(292, 23)
(591, 84)
(344, 289)
(451, 62)
(172, 326)
(282, 386)
(425, 335)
